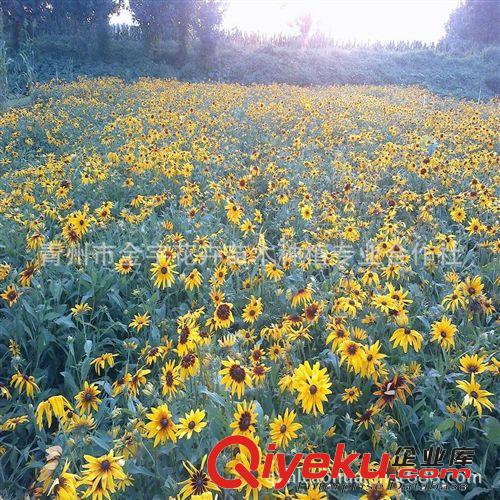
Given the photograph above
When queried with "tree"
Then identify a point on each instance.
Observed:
(3, 63)
(475, 21)
(304, 24)
(153, 17)
(183, 20)
(19, 15)
(208, 16)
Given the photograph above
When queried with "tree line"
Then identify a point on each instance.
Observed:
(474, 23)
(157, 20)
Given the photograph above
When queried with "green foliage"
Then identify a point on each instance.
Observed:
(475, 21)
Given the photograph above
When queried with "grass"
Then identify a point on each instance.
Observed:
(464, 75)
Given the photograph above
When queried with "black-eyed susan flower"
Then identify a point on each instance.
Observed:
(223, 315)
(125, 265)
(474, 395)
(472, 364)
(193, 280)
(137, 380)
(273, 272)
(102, 361)
(26, 383)
(198, 482)
(243, 458)
(378, 489)
(351, 394)
(352, 353)
(366, 417)
(284, 428)
(244, 419)
(163, 272)
(11, 423)
(443, 332)
(11, 295)
(140, 321)
(312, 384)
(81, 308)
(64, 486)
(161, 427)
(189, 365)
(252, 310)
(406, 337)
(192, 422)
(87, 400)
(100, 474)
(235, 377)
(56, 406)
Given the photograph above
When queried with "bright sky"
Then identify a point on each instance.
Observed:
(361, 20)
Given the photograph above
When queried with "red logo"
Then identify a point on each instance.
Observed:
(314, 465)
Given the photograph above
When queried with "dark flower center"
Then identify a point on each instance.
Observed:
(245, 421)
(223, 312)
(237, 373)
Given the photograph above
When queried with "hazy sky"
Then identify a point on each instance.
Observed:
(363, 20)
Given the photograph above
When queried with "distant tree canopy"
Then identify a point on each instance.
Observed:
(475, 21)
(158, 20)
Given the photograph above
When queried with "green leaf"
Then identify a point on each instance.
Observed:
(87, 347)
(492, 428)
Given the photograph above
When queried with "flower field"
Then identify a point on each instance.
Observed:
(302, 266)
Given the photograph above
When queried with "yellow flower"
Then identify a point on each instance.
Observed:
(161, 426)
(140, 321)
(284, 428)
(243, 458)
(26, 383)
(472, 364)
(193, 280)
(312, 493)
(198, 484)
(64, 486)
(475, 227)
(79, 309)
(312, 385)
(475, 396)
(87, 400)
(405, 337)
(125, 265)
(55, 405)
(11, 423)
(136, 380)
(472, 287)
(306, 212)
(235, 377)
(192, 422)
(100, 474)
(245, 419)
(351, 395)
(353, 353)
(273, 272)
(163, 271)
(443, 332)
(11, 295)
(252, 310)
(106, 359)
(223, 315)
